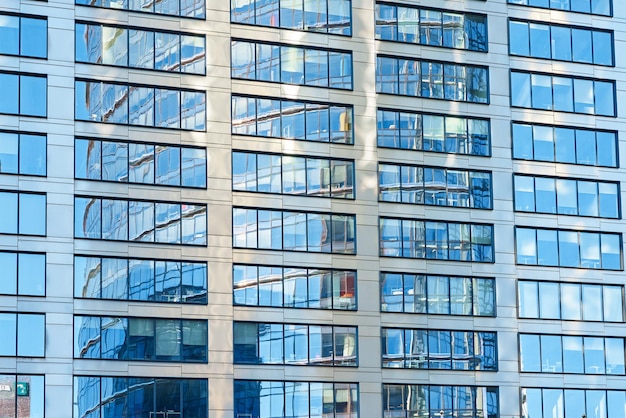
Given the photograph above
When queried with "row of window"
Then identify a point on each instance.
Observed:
(182, 8)
(24, 94)
(294, 231)
(280, 399)
(23, 153)
(407, 401)
(23, 213)
(137, 48)
(143, 163)
(566, 196)
(132, 104)
(437, 295)
(597, 7)
(287, 174)
(571, 301)
(23, 274)
(434, 186)
(294, 287)
(563, 144)
(431, 27)
(326, 16)
(571, 354)
(19, 391)
(102, 397)
(289, 119)
(562, 248)
(22, 334)
(561, 403)
(562, 93)
(140, 279)
(145, 221)
(26, 36)
(295, 344)
(291, 64)
(432, 79)
(433, 349)
(561, 43)
(440, 240)
(141, 339)
(435, 133)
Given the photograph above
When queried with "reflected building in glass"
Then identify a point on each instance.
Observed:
(312, 208)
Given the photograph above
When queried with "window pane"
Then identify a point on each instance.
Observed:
(32, 274)
(31, 335)
(520, 89)
(8, 329)
(32, 215)
(9, 100)
(9, 151)
(529, 353)
(32, 154)
(33, 95)
(10, 34)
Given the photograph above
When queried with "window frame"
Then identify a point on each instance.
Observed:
(302, 48)
(180, 147)
(434, 9)
(145, 13)
(27, 16)
(550, 25)
(127, 104)
(308, 270)
(253, 5)
(19, 75)
(443, 64)
(154, 32)
(573, 102)
(154, 202)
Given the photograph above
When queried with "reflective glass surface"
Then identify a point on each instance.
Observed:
(183, 8)
(402, 400)
(140, 221)
(291, 64)
(568, 197)
(23, 153)
(424, 349)
(260, 343)
(278, 399)
(436, 240)
(564, 145)
(26, 36)
(136, 105)
(327, 16)
(326, 177)
(145, 339)
(435, 133)
(590, 250)
(561, 43)
(140, 279)
(430, 27)
(300, 231)
(419, 78)
(437, 294)
(135, 163)
(434, 186)
(23, 334)
(278, 118)
(139, 396)
(598, 7)
(550, 92)
(125, 47)
(294, 287)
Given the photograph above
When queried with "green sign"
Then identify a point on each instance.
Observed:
(22, 388)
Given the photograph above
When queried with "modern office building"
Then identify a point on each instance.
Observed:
(312, 208)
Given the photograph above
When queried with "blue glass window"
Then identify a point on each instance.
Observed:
(465, 83)
(25, 36)
(291, 64)
(184, 8)
(552, 92)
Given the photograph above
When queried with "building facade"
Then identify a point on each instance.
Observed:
(312, 208)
